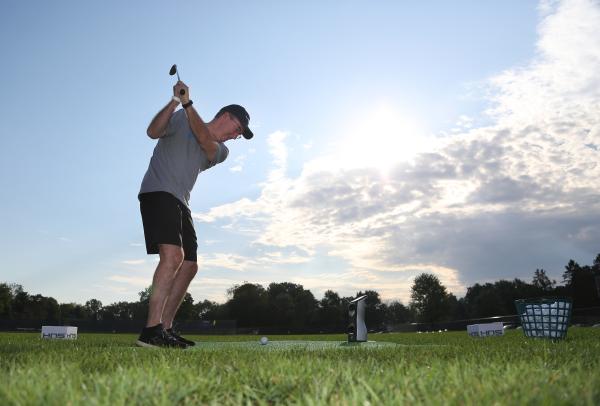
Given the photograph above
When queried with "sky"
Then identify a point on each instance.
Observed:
(391, 139)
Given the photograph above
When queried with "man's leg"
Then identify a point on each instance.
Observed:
(171, 259)
(180, 285)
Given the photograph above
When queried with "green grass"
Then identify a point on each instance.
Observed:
(446, 368)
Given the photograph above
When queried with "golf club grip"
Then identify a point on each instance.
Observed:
(182, 91)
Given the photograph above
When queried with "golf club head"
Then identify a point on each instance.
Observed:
(173, 71)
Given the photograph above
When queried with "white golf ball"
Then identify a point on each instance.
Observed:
(264, 341)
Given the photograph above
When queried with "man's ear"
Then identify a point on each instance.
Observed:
(222, 118)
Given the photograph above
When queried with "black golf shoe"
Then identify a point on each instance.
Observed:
(180, 338)
(157, 337)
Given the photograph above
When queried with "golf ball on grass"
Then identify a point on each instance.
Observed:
(264, 340)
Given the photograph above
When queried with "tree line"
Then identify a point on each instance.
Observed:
(289, 306)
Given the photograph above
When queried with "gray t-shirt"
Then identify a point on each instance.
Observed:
(177, 160)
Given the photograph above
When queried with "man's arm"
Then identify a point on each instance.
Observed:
(199, 128)
(158, 125)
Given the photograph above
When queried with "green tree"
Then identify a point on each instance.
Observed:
(72, 311)
(596, 272)
(20, 300)
(542, 282)
(483, 301)
(5, 300)
(397, 313)
(247, 304)
(290, 306)
(209, 310)
(331, 312)
(145, 295)
(39, 307)
(454, 308)
(118, 311)
(186, 309)
(498, 298)
(596, 265)
(93, 308)
(581, 284)
(571, 271)
(428, 298)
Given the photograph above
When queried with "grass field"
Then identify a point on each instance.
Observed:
(435, 368)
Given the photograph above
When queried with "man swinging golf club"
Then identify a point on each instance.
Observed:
(186, 146)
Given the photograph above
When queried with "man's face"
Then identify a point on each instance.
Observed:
(232, 128)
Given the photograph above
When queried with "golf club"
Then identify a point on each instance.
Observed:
(172, 72)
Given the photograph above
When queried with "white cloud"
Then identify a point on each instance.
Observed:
(134, 262)
(131, 280)
(120, 291)
(227, 261)
(282, 258)
(238, 163)
(277, 148)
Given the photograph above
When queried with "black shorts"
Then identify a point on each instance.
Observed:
(167, 221)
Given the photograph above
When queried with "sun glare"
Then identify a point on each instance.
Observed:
(382, 137)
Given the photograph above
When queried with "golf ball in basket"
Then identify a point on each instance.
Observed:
(264, 340)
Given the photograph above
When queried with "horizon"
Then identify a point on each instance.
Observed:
(555, 283)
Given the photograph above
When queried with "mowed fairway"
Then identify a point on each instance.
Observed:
(434, 368)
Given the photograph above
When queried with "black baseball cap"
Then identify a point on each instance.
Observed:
(241, 114)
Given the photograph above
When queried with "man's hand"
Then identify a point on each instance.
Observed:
(176, 92)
